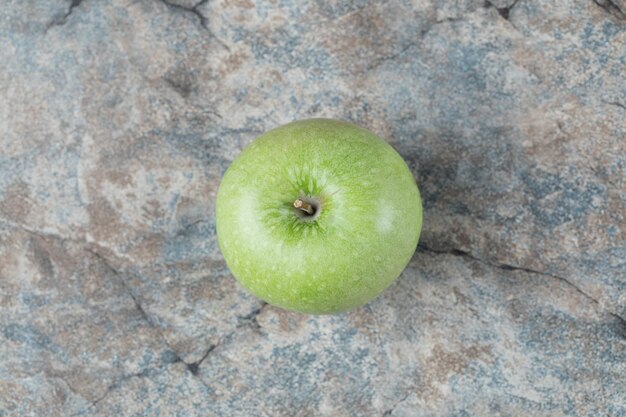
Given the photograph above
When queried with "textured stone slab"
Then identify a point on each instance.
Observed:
(452, 336)
(118, 118)
(70, 328)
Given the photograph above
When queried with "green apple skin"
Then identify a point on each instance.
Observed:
(360, 239)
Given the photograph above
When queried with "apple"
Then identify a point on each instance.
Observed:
(318, 216)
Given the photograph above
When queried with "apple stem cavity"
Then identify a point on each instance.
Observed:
(306, 209)
(304, 206)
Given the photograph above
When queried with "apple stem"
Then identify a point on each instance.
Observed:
(304, 206)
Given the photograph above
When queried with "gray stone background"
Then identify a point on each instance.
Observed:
(118, 118)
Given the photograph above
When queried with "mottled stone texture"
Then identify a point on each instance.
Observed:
(118, 118)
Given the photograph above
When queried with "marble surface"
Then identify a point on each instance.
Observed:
(118, 118)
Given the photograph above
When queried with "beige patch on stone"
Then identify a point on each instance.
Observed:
(233, 62)
(105, 225)
(120, 178)
(17, 203)
(443, 363)
(246, 4)
(146, 250)
(277, 320)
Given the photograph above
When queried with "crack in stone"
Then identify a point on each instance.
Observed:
(410, 45)
(505, 12)
(615, 103)
(117, 384)
(104, 262)
(611, 8)
(194, 10)
(85, 243)
(144, 315)
(194, 367)
(183, 231)
(38, 233)
(507, 267)
(204, 21)
(94, 402)
(391, 57)
(397, 403)
(60, 21)
(251, 318)
(184, 89)
(132, 295)
(622, 324)
(446, 20)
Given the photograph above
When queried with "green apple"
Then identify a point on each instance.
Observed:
(318, 216)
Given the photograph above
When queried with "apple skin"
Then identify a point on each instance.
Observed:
(362, 236)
